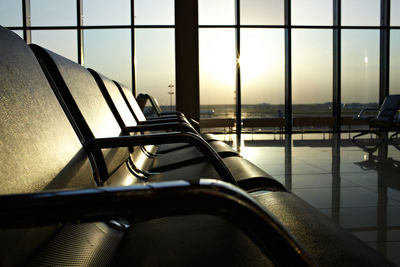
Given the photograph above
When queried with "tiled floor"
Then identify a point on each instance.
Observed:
(357, 187)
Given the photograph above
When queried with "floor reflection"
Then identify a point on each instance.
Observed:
(356, 184)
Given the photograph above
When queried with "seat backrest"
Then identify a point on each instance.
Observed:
(38, 147)
(85, 102)
(131, 101)
(139, 158)
(115, 100)
(389, 107)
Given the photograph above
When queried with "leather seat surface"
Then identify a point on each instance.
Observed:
(196, 240)
(328, 244)
(188, 155)
(241, 169)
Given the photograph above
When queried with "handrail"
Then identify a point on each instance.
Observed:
(166, 138)
(153, 201)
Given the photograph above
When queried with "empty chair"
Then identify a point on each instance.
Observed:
(137, 109)
(181, 155)
(155, 110)
(82, 98)
(384, 120)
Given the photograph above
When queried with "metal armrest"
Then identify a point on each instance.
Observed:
(382, 111)
(166, 138)
(156, 106)
(167, 113)
(193, 123)
(172, 126)
(153, 201)
(142, 100)
(163, 120)
(366, 109)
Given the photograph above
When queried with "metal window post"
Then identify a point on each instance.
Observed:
(238, 77)
(26, 20)
(384, 66)
(133, 48)
(79, 24)
(288, 67)
(336, 98)
(187, 58)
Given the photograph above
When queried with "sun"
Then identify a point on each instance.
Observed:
(218, 55)
(255, 61)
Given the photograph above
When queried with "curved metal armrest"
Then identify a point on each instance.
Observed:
(142, 100)
(391, 110)
(164, 120)
(171, 126)
(166, 138)
(366, 109)
(191, 122)
(153, 201)
(172, 113)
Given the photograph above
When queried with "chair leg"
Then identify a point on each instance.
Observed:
(378, 134)
(360, 134)
(393, 135)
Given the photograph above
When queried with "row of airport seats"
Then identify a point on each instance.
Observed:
(86, 182)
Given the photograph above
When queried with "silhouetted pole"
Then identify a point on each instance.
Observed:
(170, 94)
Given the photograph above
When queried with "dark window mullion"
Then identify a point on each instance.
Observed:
(133, 48)
(384, 66)
(336, 100)
(26, 20)
(79, 24)
(288, 67)
(238, 76)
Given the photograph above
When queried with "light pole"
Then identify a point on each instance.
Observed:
(170, 94)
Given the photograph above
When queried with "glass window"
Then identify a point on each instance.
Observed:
(53, 13)
(262, 68)
(109, 53)
(155, 65)
(10, 13)
(217, 12)
(360, 70)
(262, 12)
(312, 12)
(20, 33)
(312, 73)
(395, 13)
(361, 12)
(105, 12)
(394, 62)
(154, 12)
(217, 53)
(63, 42)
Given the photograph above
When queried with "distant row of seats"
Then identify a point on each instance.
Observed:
(87, 181)
(384, 119)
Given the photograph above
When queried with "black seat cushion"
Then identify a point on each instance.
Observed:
(328, 244)
(196, 240)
